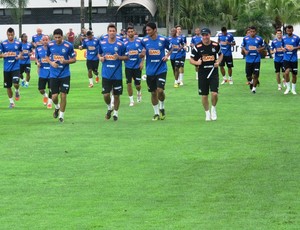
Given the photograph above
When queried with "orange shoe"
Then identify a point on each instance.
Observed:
(49, 106)
(45, 100)
(17, 96)
(97, 80)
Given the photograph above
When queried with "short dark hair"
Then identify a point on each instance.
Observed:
(58, 31)
(289, 27)
(89, 33)
(10, 30)
(130, 28)
(223, 29)
(152, 25)
(111, 25)
(278, 30)
(177, 26)
(252, 28)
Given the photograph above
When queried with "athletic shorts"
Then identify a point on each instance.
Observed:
(134, 74)
(43, 82)
(252, 68)
(157, 81)
(25, 68)
(10, 78)
(93, 65)
(177, 63)
(60, 85)
(115, 85)
(204, 84)
(183, 60)
(228, 60)
(278, 66)
(293, 66)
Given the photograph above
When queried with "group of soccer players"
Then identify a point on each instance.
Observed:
(54, 57)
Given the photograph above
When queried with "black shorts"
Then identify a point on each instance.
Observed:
(293, 66)
(204, 84)
(10, 78)
(134, 74)
(93, 65)
(252, 68)
(228, 60)
(115, 85)
(177, 63)
(43, 82)
(278, 66)
(158, 81)
(25, 68)
(182, 60)
(60, 85)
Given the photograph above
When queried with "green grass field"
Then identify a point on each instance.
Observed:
(239, 172)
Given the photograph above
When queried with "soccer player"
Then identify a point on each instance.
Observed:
(183, 51)
(194, 41)
(91, 44)
(290, 58)
(11, 51)
(252, 45)
(226, 40)
(134, 65)
(36, 39)
(60, 55)
(208, 56)
(44, 71)
(112, 53)
(176, 44)
(156, 68)
(25, 63)
(277, 48)
(71, 36)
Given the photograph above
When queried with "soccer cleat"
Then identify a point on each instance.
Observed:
(176, 85)
(294, 92)
(213, 115)
(131, 104)
(224, 81)
(55, 114)
(91, 85)
(139, 97)
(26, 85)
(253, 91)
(22, 83)
(250, 86)
(60, 120)
(49, 106)
(162, 114)
(108, 114)
(115, 117)
(286, 91)
(97, 80)
(155, 117)
(17, 96)
(11, 105)
(45, 100)
(181, 83)
(279, 88)
(230, 82)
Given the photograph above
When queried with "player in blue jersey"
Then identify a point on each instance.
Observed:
(291, 44)
(176, 44)
(226, 41)
(183, 53)
(112, 53)
(60, 55)
(11, 51)
(154, 46)
(277, 48)
(44, 71)
(252, 45)
(197, 38)
(25, 63)
(134, 65)
(208, 56)
(37, 38)
(91, 44)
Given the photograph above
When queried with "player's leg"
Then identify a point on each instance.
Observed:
(152, 88)
(214, 86)
(229, 64)
(137, 82)
(106, 89)
(128, 74)
(54, 84)
(95, 71)
(27, 72)
(287, 67)
(15, 81)
(294, 77)
(8, 84)
(256, 70)
(203, 90)
(90, 73)
(161, 82)
(41, 87)
(223, 72)
(117, 91)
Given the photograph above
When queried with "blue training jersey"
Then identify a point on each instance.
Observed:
(133, 49)
(176, 44)
(26, 49)
(290, 42)
(223, 39)
(111, 67)
(275, 45)
(155, 51)
(196, 39)
(12, 49)
(251, 45)
(40, 55)
(183, 51)
(92, 48)
(57, 53)
(37, 38)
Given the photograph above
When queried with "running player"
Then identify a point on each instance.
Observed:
(112, 53)
(156, 68)
(194, 41)
(207, 55)
(91, 44)
(25, 63)
(291, 44)
(44, 71)
(134, 65)
(11, 51)
(36, 39)
(226, 40)
(176, 44)
(60, 55)
(277, 48)
(252, 45)
(183, 52)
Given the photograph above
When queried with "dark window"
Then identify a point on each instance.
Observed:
(62, 11)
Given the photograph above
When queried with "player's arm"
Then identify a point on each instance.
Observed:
(219, 60)
(195, 58)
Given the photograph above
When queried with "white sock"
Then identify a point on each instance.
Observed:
(279, 85)
(17, 90)
(230, 78)
(57, 106)
(293, 87)
(213, 108)
(224, 77)
(161, 104)
(207, 113)
(131, 98)
(253, 88)
(109, 106)
(91, 80)
(116, 113)
(11, 100)
(155, 108)
(49, 101)
(196, 74)
(61, 114)
(288, 85)
(45, 95)
(180, 77)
